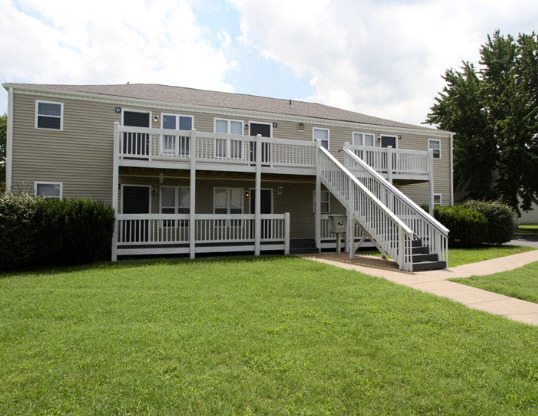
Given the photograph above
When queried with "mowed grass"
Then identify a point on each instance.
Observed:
(459, 256)
(527, 229)
(521, 283)
(269, 336)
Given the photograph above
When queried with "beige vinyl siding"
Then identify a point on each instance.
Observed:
(80, 156)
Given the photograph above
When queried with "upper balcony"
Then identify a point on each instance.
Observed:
(397, 164)
(158, 148)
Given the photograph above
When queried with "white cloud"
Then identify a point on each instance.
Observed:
(382, 58)
(56, 41)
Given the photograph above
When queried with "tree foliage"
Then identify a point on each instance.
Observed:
(494, 111)
(3, 136)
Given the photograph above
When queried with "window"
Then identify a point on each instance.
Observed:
(437, 199)
(49, 189)
(49, 115)
(175, 200)
(363, 139)
(435, 145)
(322, 135)
(228, 148)
(228, 201)
(325, 202)
(176, 145)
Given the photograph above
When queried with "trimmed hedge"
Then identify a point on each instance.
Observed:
(500, 220)
(39, 231)
(468, 228)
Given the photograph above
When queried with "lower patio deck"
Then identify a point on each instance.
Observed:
(170, 234)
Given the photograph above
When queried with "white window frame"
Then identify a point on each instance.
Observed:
(176, 198)
(430, 148)
(328, 135)
(328, 202)
(388, 135)
(440, 199)
(228, 199)
(228, 141)
(37, 102)
(176, 150)
(363, 134)
(36, 184)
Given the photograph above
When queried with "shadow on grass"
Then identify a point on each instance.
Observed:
(138, 262)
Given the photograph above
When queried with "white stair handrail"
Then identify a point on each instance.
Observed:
(396, 191)
(390, 232)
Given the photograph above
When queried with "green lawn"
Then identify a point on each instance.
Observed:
(521, 283)
(527, 229)
(459, 256)
(243, 335)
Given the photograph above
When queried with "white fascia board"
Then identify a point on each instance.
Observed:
(9, 142)
(35, 90)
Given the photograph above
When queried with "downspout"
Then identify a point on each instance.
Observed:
(451, 169)
(9, 142)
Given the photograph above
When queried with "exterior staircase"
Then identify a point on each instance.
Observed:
(395, 224)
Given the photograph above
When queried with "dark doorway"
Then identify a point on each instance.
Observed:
(387, 141)
(266, 203)
(266, 207)
(265, 131)
(135, 200)
(136, 144)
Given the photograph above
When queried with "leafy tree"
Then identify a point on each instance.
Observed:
(3, 135)
(494, 111)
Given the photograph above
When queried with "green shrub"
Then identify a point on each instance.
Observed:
(42, 231)
(468, 228)
(500, 220)
(17, 235)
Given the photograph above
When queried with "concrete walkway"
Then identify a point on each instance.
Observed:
(435, 281)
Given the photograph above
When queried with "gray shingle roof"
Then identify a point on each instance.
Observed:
(192, 96)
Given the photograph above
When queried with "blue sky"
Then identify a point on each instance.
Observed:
(382, 58)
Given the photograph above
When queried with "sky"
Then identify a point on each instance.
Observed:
(383, 58)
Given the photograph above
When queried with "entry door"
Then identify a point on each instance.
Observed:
(266, 207)
(266, 203)
(135, 200)
(387, 141)
(136, 144)
(265, 131)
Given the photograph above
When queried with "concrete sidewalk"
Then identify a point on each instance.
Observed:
(435, 281)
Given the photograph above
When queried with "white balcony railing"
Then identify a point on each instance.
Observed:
(213, 232)
(393, 162)
(148, 144)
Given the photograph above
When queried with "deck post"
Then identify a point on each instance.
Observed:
(192, 207)
(390, 167)
(287, 233)
(430, 173)
(350, 235)
(317, 219)
(115, 185)
(257, 207)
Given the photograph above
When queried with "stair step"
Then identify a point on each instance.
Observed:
(416, 243)
(421, 250)
(429, 265)
(417, 258)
